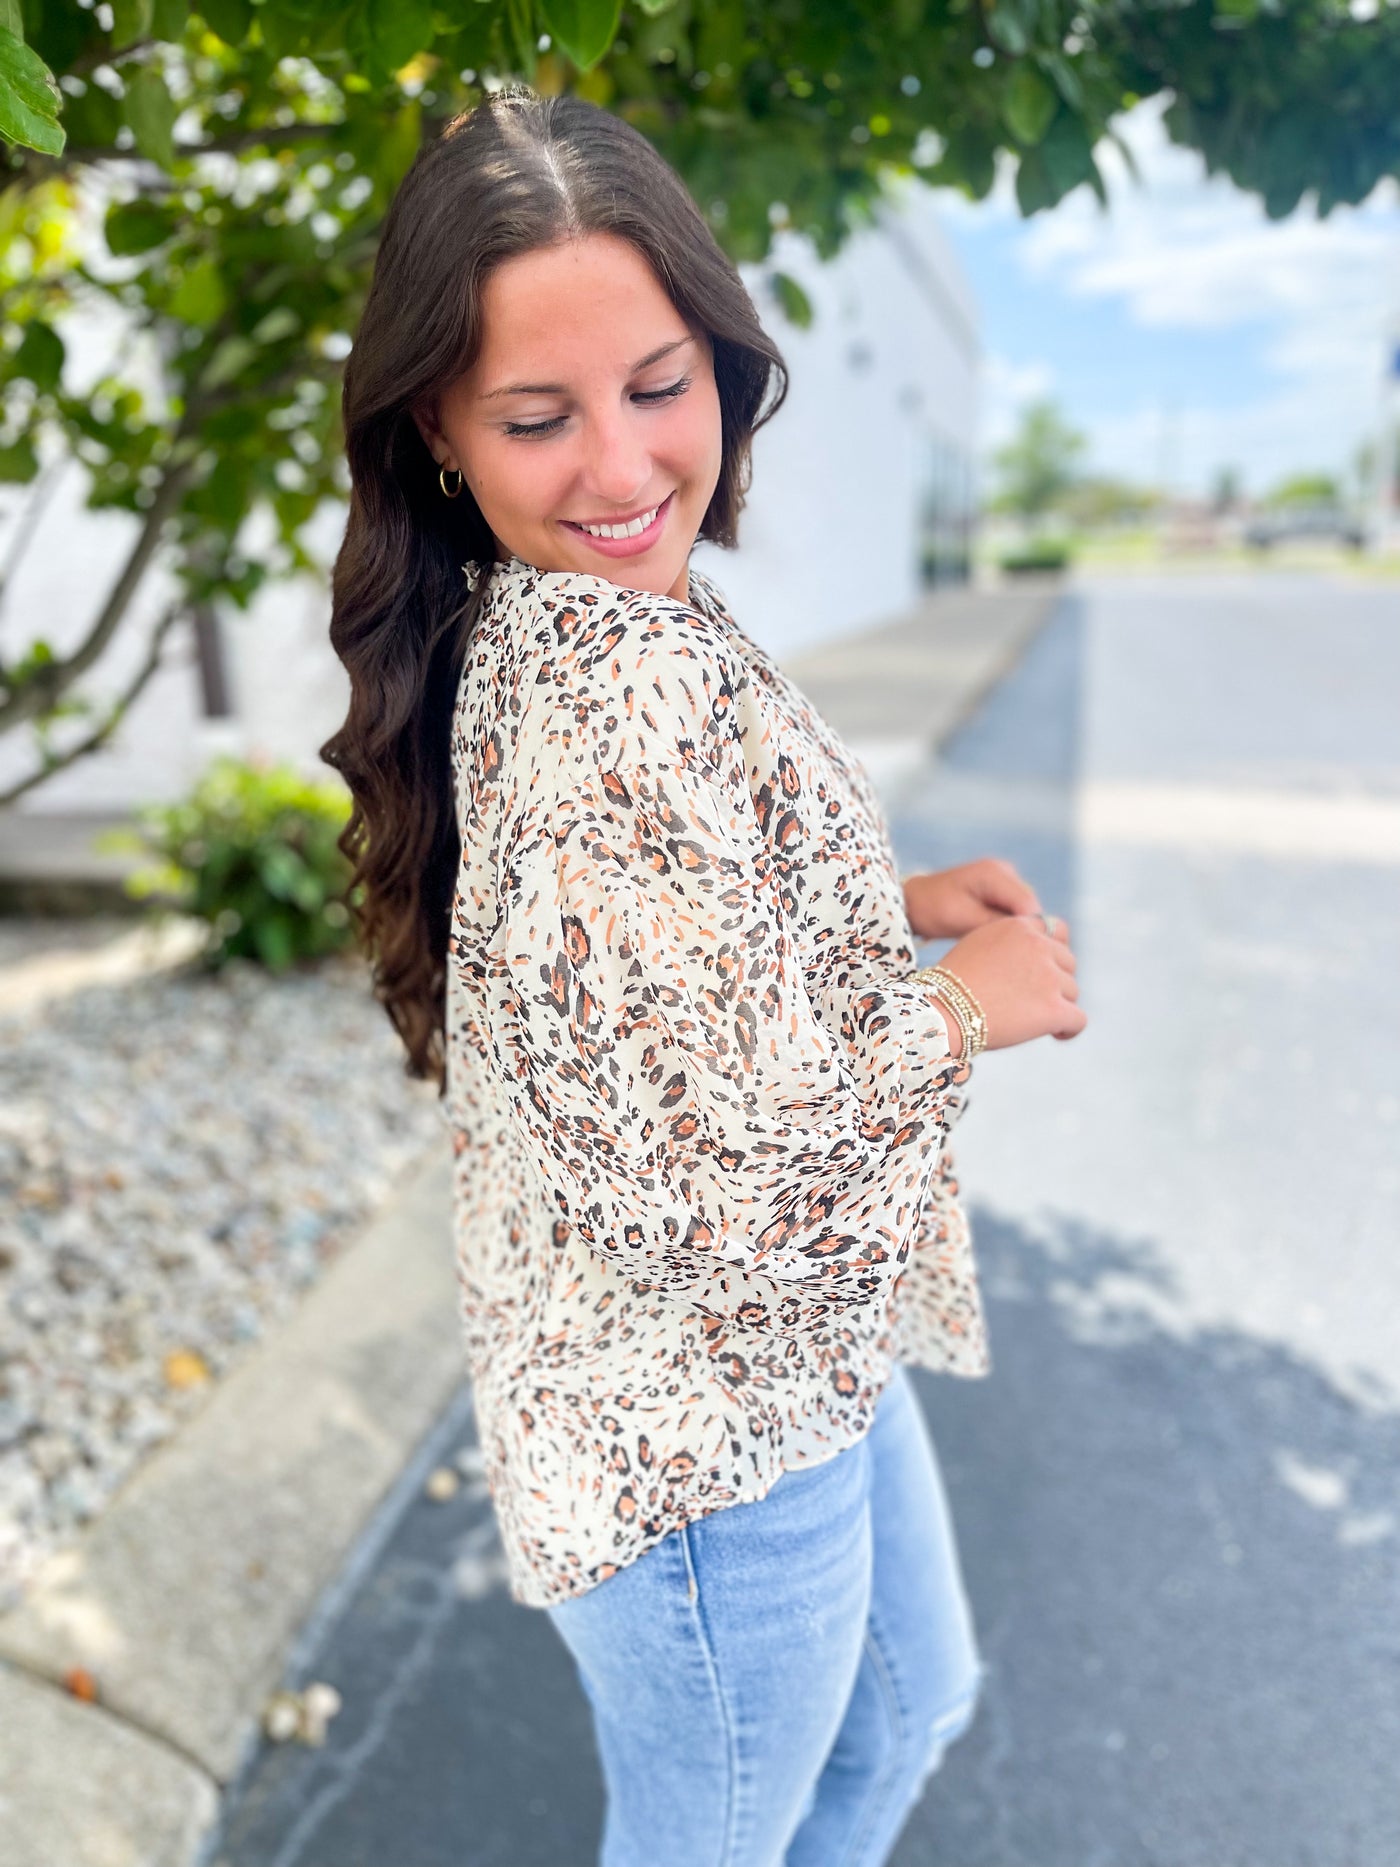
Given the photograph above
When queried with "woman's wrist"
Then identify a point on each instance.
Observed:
(955, 1030)
(967, 1012)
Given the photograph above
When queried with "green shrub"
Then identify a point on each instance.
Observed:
(945, 564)
(1041, 554)
(252, 851)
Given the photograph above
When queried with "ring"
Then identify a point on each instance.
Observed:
(1051, 922)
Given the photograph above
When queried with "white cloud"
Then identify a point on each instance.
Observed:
(1006, 388)
(1185, 251)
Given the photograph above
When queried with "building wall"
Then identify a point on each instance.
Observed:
(861, 487)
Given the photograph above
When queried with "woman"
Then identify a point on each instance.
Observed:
(633, 904)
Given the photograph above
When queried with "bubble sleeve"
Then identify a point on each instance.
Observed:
(749, 1133)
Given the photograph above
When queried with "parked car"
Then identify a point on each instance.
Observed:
(1321, 521)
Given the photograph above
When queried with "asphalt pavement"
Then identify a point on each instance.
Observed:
(1176, 1496)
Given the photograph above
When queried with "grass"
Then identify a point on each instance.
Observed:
(1144, 550)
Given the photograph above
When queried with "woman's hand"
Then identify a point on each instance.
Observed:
(945, 904)
(1023, 978)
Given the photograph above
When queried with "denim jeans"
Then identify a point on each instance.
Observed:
(771, 1685)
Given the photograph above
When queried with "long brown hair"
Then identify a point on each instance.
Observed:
(516, 172)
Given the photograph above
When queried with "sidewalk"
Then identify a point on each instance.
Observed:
(48, 864)
(899, 691)
(134, 1672)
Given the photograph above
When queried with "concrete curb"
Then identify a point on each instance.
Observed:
(187, 1594)
(897, 693)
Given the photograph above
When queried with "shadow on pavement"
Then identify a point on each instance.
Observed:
(1180, 1553)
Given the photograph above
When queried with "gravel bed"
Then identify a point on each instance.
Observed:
(180, 1158)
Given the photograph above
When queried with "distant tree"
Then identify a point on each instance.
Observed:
(1305, 489)
(1099, 499)
(1226, 489)
(1035, 469)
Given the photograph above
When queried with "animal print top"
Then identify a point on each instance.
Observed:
(702, 1196)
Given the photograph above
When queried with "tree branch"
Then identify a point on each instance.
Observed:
(26, 525)
(101, 733)
(106, 55)
(35, 167)
(44, 688)
(274, 134)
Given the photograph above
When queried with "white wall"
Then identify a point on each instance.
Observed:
(828, 537)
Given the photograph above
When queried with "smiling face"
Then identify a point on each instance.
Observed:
(590, 403)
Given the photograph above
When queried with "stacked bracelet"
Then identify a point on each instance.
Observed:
(972, 1020)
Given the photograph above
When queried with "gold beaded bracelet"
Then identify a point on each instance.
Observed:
(972, 1020)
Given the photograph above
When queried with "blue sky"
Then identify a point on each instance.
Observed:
(1182, 330)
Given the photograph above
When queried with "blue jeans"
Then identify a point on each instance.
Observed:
(772, 1684)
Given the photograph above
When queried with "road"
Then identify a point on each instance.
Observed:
(1176, 1496)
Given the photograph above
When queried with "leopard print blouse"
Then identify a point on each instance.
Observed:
(702, 1196)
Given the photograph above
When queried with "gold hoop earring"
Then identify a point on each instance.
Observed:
(442, 482)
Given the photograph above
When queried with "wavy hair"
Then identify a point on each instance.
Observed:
(516, 172)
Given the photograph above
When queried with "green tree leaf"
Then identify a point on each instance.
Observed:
(131, 20)
(40, 356)
(230, 359)
(400, 28)
(228, 20)
(200, 298)
(1008, 27)
(280, 322)
(1067, 80)
(583, 29)
(397, 143)
(1027, 105)
(18, 461)
(93, 118)
(29, 98)
(1066, 155)
(137, 226)
(150, 114)
(169, 19)
(797, 306)
(1033, 187)
(520, 25)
